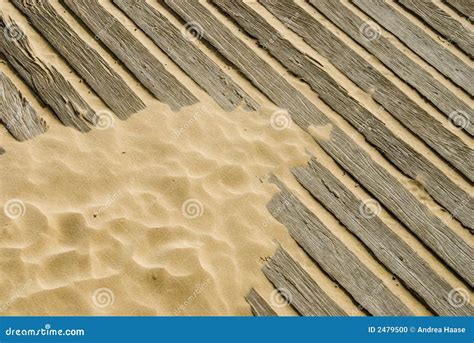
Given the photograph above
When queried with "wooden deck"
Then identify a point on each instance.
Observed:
(395, 78)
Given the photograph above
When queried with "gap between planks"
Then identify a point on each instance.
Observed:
(146, 68)
(415, 215)
(44, 79)
(363, 221)
(407, 159)
(110, 87)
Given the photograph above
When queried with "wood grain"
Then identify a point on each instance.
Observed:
(388, 96)
(333, 256)
(185, 54)
(258, 305)
(17, 114)
(110, 87)
(297, 287)
(420, 42)
(385, 245)
(407, 159)
(47, 83)
(380, 183)
(463, 7)
(443, 23)
(134, 55)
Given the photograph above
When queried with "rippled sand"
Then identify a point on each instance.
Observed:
(163, 214)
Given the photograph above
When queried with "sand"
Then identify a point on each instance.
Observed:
(165, 213)
(161, 214)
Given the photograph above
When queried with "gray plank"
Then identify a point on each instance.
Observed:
(412, 116)
(412, 163)
(111, 88)
(185, 54)
(47, 83)
(463, 7)
(420, 42)
(386, 246)
(17, 114)
(367, 77)
(378, 181)
(136, 57)
(258, 305)
(333, 257)
(443, 23)
(297, 287)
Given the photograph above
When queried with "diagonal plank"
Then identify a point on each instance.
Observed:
(395, 149)
(258, 305)
(136, 57)
(111, 88)
(368, 78)
(412, 116)
(333, 256)
(420, 42)
(185, 54)
(443, 23)
(17, 114)
(297, 287)
(387, 247)
(463, 7)
(356, 161)
(48, 84)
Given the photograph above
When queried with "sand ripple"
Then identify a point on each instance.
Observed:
(105, 229)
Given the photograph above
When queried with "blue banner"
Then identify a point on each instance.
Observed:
(237, 329)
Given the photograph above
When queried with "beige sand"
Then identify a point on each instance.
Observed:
(102, 229)
(164, 213)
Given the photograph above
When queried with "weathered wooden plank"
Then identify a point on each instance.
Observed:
(378, 181)
(48, 84)
(111, 88)
(386, 246)
(420, 42)
(463, 7)
(17, 114)
(443, 23)
(185, 54)
(297, 287)
(259, 306)
(135, 56)
(383, 91)
(333, 257)
(395, 149)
